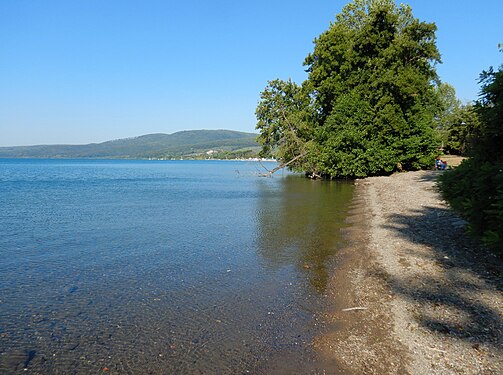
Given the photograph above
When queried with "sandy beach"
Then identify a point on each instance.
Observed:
(416, 295)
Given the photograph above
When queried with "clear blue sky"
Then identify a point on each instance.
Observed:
(80, 71)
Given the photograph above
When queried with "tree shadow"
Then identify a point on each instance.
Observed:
(455, 302)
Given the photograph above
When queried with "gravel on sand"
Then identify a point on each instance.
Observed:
(415, 294)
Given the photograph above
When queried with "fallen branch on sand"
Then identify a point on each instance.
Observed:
(435, 349)
(354, 308)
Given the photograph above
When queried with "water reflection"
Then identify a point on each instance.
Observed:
(301, 225)
(162, 268)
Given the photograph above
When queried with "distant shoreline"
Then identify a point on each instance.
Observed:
(197, 144)
(126, 159)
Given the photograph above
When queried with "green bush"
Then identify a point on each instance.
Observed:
(475, 190)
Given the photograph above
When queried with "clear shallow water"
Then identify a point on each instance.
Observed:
(175, 267)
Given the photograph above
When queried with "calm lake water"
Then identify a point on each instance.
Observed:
(163, 267)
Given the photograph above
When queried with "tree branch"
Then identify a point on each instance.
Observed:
(270, 172)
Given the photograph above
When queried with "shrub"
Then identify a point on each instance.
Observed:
(475, 190)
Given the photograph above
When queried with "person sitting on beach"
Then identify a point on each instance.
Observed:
(440, 164)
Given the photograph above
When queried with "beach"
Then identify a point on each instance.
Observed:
(416, 295)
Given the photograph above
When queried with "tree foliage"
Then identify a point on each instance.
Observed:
(475, 188)
(490, 107)
(368, 104)
(283, 118)
(456, 123)
(462, 126)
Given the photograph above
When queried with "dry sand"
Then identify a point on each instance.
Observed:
(428, 299)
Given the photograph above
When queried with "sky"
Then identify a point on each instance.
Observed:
(83, 71)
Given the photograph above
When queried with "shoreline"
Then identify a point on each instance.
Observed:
(414, 294)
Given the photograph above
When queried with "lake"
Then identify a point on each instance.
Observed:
(164, 267)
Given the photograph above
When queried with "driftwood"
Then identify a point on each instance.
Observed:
(354, 309)
(435, 349)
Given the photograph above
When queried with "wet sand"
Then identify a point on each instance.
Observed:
(415, 294)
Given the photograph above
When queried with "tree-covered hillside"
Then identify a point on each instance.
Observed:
(174, 145)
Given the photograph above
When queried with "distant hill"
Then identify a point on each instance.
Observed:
(190, 143)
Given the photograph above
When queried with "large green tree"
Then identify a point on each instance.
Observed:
(368, 104)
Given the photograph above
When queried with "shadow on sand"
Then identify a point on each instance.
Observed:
(455, 302)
